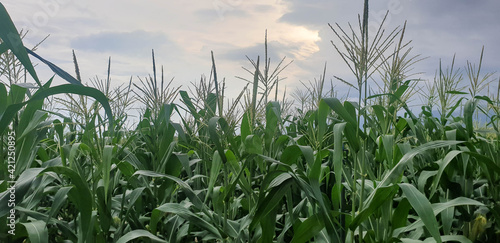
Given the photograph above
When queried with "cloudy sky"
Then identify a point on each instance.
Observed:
(183, 33)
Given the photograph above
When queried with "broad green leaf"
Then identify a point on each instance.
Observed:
(57, 70)
(245, 127)
(183, 212)
(185, 187)
(103, 208)
(423, 208)
(80, 195)
(268, 227)
(3, 99)
(37, 231)
(450, 238)
(423, 177)
(380, 113)
(442, 165)
(187, 101)
(381, 195)
(400, 216)
(253, 144)
(107, 156)
(61, 225)
(308, 229)
(436, 209)
(215, 171)
(138, 233)
(11, 39)
(469, 108)
(291, 154)
(270, 201)
(338, 154)
(61, 89)
(396, 172)
(17, 94)
(273, 115)
(445, 238)
(22, 185)
(59, 200)
(214, 137)
(388, 141)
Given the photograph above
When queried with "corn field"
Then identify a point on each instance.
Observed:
(197, 167)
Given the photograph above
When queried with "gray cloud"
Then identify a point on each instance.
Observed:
(275, 50)
(219, 14)
(439, 29)
(124, 43)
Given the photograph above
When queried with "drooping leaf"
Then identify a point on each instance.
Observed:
(423, 208)
(138, 233)
(183, 212)
(308, 229)
(37, 231)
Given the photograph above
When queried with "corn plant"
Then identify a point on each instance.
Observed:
(252, 171)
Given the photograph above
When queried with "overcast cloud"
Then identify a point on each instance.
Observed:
(184, 32)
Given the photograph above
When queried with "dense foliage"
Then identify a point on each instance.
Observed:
(329, 171)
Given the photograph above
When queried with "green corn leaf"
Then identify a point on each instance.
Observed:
(346, 112)
(400, 216)
(423, 208)
(103, 208)
(270, 201)
(17, 94)
(424, 176)
(187, 101)
(378, 197)
(214, 173)
(253, 112)
(59, 200)
(183, 212)
(322, 113)
(291, 154)
(268, 226)
(61, 89)
(80, 195)
(396, 171)
(245, 127)
(3, 99)
(3, 48)
(37, 231)
(12, 40)
(22, 185)
(336, 106)
(436, 209)
(469, 108)
(185, 187)
(308, 229)
(381, 116)
(388, 141)
(390, 178)
(61, 225)
(138, 233)
(338, 155)
(214, 137)
(253, 144)
(57, 70)
(442, 166)
(273, 115)
(445, 238)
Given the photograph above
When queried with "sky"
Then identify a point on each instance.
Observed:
(183, 33)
